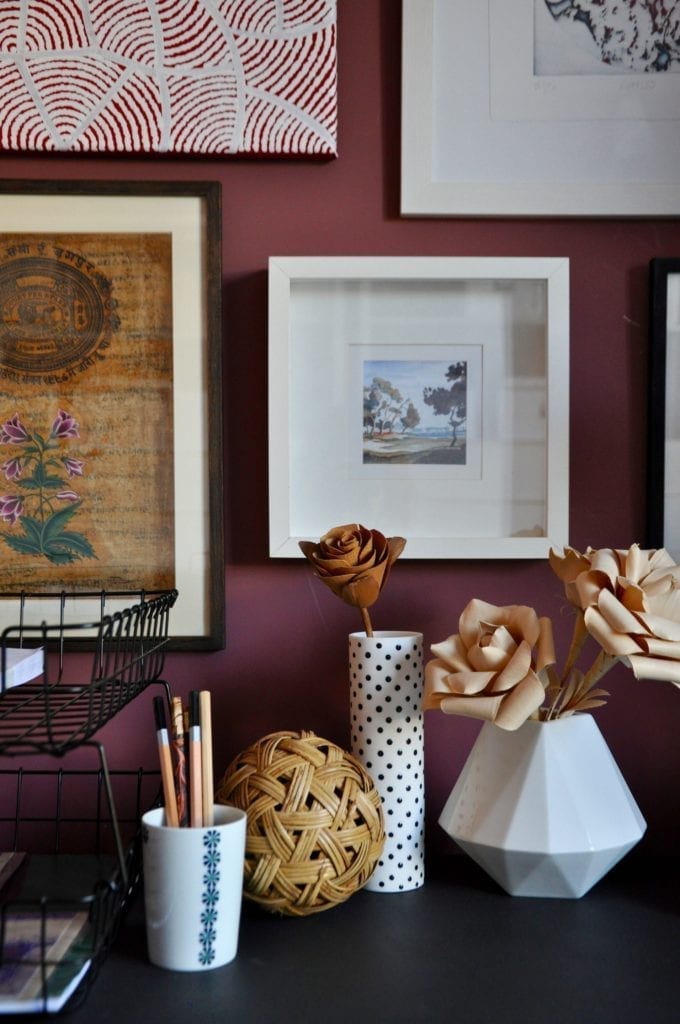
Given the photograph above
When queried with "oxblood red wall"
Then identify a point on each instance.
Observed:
(285, 661)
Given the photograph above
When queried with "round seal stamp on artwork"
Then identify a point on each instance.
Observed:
(56, 309)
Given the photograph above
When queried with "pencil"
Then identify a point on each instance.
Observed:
(178, 747)
(169, 797)
(195, 766)
(206, 756)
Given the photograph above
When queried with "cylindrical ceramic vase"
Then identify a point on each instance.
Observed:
(386, 692)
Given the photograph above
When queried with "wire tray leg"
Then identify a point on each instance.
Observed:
(112, 809)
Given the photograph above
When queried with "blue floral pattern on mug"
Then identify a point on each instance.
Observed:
(210, 897)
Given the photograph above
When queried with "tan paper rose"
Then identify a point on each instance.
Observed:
(355, 563)
(494, 668)
(629, 601)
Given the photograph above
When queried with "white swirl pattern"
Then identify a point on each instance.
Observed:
(177, 76)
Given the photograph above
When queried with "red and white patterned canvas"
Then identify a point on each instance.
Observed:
(212, 77)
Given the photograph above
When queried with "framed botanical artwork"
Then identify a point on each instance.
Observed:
(425, 396)
(190, 77)
(110, 395)
(663, 491)
(540, 107)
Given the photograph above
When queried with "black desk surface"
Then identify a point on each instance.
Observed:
(457, 950)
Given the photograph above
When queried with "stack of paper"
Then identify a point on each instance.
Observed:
(19, 665)
(33, 976)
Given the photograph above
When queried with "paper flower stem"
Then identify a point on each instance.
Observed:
(367, 621)
(602, 664)
(578, 639)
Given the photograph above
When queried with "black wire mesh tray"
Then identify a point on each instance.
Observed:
(57, 710)
(71, 880)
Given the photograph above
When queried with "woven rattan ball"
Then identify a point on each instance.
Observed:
(315, 824)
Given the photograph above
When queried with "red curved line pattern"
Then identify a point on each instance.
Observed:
(55, 25)
(244, 16)
(9, 30)
(189, 34)
(124, 30)
(20, 127)
(241, 76)
(304, 12)
(132, 120)
(201, 117)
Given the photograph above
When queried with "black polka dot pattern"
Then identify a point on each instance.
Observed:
(386, 692)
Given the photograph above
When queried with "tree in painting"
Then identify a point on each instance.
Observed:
(451, 401)
(383, 405)
(410, 419)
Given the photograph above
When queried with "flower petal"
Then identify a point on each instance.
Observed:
(617, 615)
(515, 670)
(452, 651)
(611, 642)
(468, 682)
(520, 703)
(475, 612)
(485, 708)
(654, 668)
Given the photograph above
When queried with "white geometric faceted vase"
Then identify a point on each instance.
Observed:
(386, 692)
(544, 810)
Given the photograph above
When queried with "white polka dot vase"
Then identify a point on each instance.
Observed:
(386, 692)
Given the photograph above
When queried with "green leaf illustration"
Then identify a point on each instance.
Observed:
(75, 545)
(24, 545)
(50, 539)
(55, 523)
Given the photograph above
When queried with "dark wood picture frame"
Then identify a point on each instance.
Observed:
(188, 211)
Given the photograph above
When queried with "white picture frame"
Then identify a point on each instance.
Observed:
(489, 130)
(506, 319)
(663, 438)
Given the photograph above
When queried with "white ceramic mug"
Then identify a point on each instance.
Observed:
(193, 886)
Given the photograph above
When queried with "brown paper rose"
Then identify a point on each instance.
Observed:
(492, 668)
(630, 604)
(355, 563)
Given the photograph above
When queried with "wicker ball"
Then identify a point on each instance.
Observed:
(315, 824)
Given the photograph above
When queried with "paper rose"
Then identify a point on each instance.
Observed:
(355, 563)
(501, 664)
(630, 603)
(492, 668)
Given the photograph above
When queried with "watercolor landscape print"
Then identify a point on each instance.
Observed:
(415, 412)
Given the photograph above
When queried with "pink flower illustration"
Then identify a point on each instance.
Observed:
(67, 496)
(13, 431)
(74, 467)
(11, 508)
(12, 469)
(64, 426)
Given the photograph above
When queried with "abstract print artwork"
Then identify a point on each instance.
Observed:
(628, 36)
(211, 77)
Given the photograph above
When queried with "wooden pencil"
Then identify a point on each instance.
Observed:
(169, 795)
(179, 750)
(207, 784)
(195, 762)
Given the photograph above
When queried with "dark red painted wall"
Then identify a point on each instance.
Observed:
(285, 661)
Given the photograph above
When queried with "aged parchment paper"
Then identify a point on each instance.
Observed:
(86, 335)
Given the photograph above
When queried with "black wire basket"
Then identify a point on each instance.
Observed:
(59, 710)
(58, 825)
